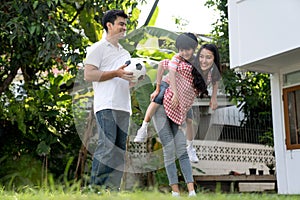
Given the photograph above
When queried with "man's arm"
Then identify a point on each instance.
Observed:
(93, 74)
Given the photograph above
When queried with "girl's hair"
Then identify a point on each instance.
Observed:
(199, 82)
(186, 41)
(111, 16)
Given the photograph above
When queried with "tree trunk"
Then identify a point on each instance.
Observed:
(83, 150)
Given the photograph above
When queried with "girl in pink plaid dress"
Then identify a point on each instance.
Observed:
(157, 99)
(186, 44)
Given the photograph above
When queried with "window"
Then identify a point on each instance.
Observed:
(291, 78)
(291, 101)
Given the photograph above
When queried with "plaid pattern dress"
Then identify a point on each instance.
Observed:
(186, 91)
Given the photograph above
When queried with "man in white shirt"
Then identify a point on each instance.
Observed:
(104, 66)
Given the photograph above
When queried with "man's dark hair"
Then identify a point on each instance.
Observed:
(186, 41)
(111, 16)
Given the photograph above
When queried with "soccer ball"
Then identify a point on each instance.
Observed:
(137, 66)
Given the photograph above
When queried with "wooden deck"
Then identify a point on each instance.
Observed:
(230, 183)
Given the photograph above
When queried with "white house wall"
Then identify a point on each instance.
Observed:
(260, 29)
(264, 36)
(287, 161)
(293, 174)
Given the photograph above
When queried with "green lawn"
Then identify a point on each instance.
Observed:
(31, 194)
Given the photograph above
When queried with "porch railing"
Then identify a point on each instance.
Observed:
(228, 124)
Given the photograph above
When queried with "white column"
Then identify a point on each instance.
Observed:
(279, 134)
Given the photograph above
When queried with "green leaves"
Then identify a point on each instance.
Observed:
(92, 28)
(219, 33)
(141, 35)
(35, 4)
(34, 28)
(250, 90)
(43, 149)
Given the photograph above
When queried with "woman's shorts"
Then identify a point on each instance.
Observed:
(190, 114)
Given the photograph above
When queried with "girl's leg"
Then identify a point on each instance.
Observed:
(190, 137)
(150, 111)
(189, 129)
(158, 100)
(141, 135)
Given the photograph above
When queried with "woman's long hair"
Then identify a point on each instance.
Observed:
(199, 81)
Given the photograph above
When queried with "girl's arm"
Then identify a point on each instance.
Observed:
(159, 75)
(172, 77)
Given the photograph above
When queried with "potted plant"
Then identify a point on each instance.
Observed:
(261, 170)
(271, 166)
(252, 170)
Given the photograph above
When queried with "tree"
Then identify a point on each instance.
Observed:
(220, 33)
(42, 43)
(249, 90)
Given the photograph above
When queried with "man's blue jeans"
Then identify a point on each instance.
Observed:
(109, 156)
(174, 145)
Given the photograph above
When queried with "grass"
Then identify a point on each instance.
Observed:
(33, 194)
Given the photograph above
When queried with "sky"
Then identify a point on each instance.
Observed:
(199, 17)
